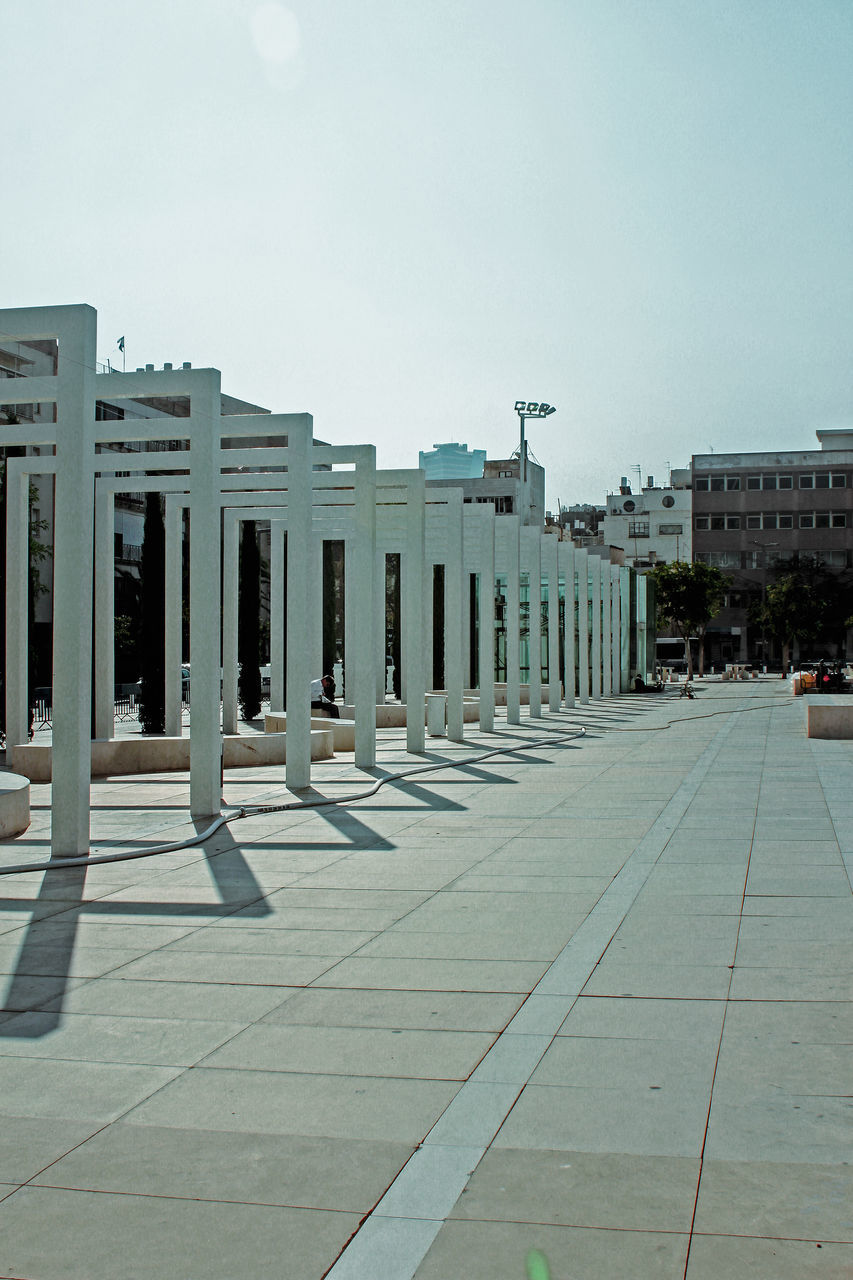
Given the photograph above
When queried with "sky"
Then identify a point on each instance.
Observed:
(403, 218)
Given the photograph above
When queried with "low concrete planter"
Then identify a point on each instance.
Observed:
(393, 715)
(117, 756)
(343, 731)
(14, 804)
(829, 715)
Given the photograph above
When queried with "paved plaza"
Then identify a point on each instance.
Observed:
(582, 1007)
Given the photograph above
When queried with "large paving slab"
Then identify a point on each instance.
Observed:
(584, 1006)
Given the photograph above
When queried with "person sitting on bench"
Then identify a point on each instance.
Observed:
(323, 697)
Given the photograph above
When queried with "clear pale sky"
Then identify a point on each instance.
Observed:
(403, 217)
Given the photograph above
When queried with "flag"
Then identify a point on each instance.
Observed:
(120, 343)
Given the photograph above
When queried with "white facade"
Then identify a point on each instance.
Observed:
(651, 527)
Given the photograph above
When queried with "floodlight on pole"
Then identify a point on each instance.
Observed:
(530, 409)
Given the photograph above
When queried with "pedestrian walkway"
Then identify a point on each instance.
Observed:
(582, 1007)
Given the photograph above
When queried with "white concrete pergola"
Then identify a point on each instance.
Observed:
(375, 513)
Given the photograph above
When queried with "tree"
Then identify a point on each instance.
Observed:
(688, 596)
(152, 569)
(248, 624)
(806, 603)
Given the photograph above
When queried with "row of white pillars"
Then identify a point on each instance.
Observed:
(278, 483)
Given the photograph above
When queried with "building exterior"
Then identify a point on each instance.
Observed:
(505, 485)
(452, 462)
(751, 510)
(582, 523)
(653, 526)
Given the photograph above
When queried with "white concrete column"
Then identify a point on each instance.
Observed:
(277, 530)
(486, 595)
(552, 577)
(316, 601)
(17, 588)
(412, 568)
(616, 646)
(379, 570)
(455, 583)
(300, 658)
(567, 560)
(174, 527)
(606, 631)
(363, 655)
(581, 561)
(625, 632)
(205, 597)
(349, 626)
(72, 584)
(532, 540)
(232, 533)
(429, 577)
(104, 611)
(509, 527)
(594, 563)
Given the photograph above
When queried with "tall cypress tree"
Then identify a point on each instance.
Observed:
(152, 698)
(248, 624)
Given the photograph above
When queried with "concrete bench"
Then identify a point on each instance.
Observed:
(119, 756)
(829, 715)
(14, 804)
(343, 731)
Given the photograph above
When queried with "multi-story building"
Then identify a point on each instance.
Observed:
(452, 462)
(651, 527)
(751, 510)
(514, 486)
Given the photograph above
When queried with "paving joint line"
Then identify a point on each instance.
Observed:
(396, 1235)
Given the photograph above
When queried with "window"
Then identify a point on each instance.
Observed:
(732, 522)
(668, 501)
(821, 480)
(821, 520)
(732, 482)
(503, 474)
(670, 528)
(753, 482)
(638, 529)
(806, 519)
(724, 559)
(701, 522)
(838, 480)
(718, 522)
(628, 504)
(786, 482)
(718, 484)
(702, 484)
(806, 482)
(769, 482)
(770, 520)
(786, 521)
(753, 522)
(839, 520)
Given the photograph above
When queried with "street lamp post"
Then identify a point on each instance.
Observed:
(529, 409)
(763, 546)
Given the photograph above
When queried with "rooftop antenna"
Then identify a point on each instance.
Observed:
(639, 470)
